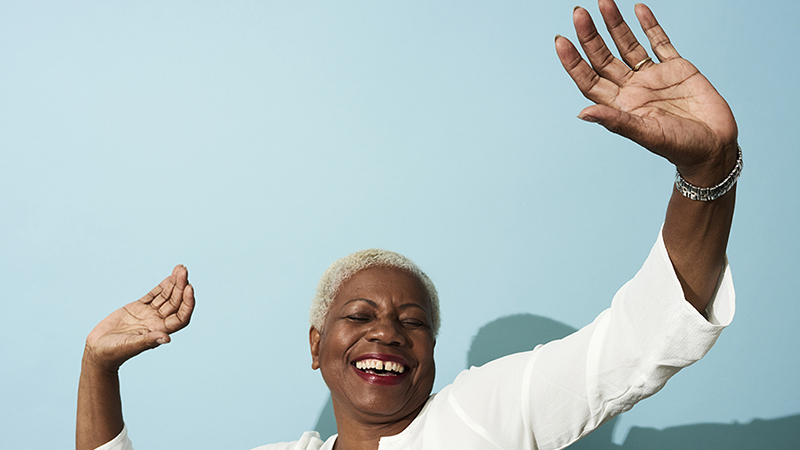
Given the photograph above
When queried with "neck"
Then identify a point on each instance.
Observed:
(357, 434)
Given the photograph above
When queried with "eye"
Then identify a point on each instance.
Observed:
(412, 323)
(358, 318)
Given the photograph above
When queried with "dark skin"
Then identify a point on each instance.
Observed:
(128, 331)
(377, 311)
(672, 110)
(668, 107)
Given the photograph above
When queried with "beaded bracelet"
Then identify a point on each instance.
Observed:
(710, 193)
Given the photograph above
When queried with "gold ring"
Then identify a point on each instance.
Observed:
(639, 66)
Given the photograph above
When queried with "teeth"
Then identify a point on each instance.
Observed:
(376, 364)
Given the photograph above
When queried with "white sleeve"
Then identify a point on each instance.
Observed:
(121, 442)
(550, 397)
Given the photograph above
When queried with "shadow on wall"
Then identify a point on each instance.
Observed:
(522, 332)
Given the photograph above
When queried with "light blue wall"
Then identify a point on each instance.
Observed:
(256, 142)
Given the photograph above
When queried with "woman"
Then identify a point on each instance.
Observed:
(375, 316)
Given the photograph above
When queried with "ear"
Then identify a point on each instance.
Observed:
(314, 338)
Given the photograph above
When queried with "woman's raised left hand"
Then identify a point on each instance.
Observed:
(670, 108)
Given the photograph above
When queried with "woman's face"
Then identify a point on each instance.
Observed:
(376, 353)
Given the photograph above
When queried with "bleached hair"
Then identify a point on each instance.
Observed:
(344, 268)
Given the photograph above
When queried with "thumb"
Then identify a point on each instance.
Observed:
(152, 340)
(143, 342)
(619, 122)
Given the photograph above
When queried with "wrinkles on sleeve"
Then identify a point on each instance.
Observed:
(650, 333)
(628, 353)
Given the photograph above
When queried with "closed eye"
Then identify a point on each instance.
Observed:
(358, 318)
(413, 323)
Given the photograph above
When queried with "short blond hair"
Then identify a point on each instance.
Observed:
(346, 267)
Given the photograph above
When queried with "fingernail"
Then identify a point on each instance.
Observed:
(160, 341)
(589, 119)
(575, 8)
(557, 36)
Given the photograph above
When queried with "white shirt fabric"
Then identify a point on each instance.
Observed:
(550, 397)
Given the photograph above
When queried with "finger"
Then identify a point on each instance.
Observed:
(659, 41)
(600, 57)
(631, 126)
(154, 339)
(179, 278)
(592, 85)
(147, 341)
(182, 317)
(181, 275)
(158, 295)
(133, 346)
(161, 293)
(628, 46)
(164, 293)
(148, 298)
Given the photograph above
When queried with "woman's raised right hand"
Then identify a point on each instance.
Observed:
(143, 324)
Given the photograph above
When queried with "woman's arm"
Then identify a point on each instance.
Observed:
(128, 331)
(672, 110)
(99, 406)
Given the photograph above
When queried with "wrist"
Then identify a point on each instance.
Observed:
(710, 193)
(715, 169)
(91, 361)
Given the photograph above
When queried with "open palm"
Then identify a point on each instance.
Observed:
(670, 108)
(143, 324)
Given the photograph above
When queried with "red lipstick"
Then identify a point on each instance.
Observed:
(389, 379)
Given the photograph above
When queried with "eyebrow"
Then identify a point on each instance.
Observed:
(413, 305)
(361, 300)
(375, 305)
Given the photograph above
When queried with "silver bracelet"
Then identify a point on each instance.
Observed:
(710, 193)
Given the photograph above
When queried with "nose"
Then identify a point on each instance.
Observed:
(387, 331)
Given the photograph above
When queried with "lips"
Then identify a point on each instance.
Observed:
(381, 369)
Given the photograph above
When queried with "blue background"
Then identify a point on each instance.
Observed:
(256, 142)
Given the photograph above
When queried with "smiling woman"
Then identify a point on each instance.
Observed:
(375, 318)
(380, 317)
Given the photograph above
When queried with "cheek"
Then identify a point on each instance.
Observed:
(425, 353)
(334, 344)
(425, 342)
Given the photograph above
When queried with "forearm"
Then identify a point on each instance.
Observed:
(99, 407)
(696, 232)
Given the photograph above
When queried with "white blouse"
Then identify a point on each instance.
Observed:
(550, 397)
